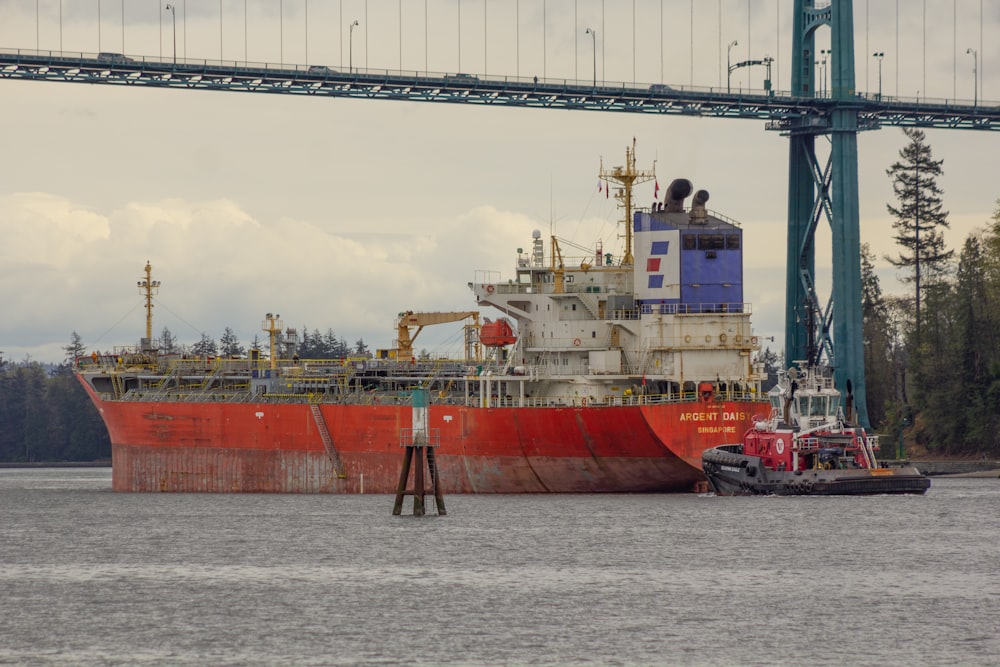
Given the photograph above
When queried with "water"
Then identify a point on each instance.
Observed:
(92, 577)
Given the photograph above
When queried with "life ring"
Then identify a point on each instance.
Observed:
(708, 338)
(489, 289)
(687, 339)
(583, 402)
(753, 340)
(722, 338)
(779, 446)
(576, 342)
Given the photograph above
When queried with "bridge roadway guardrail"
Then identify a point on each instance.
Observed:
(786, 112)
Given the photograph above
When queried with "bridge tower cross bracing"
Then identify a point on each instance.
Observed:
(832, 334)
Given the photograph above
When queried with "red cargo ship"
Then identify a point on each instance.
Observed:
(600, 376)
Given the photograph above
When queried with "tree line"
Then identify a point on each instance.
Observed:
(932, 356)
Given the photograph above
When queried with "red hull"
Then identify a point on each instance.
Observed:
(278, 447)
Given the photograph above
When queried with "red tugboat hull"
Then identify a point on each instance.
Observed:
(732, 474)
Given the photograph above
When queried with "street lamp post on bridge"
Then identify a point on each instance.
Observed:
(822, 70)
(879, 55)
(350, 48)
(729, 65)
(593, 34)
(975, 76)
(173, 14)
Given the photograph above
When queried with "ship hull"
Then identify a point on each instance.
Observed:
(279, 447)
(731, 474)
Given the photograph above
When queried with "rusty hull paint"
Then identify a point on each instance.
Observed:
(277, 448)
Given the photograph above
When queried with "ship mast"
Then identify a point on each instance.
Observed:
(148, 288)
(272, 325)
(626, 177)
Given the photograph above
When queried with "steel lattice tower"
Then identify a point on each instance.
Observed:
(832, 334)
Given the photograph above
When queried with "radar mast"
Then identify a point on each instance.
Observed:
(626, 177)
(148, 287)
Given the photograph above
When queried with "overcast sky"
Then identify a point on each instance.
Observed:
(338, 214)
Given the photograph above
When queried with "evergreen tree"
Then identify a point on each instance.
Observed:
(878, 340)
(206, 347)
(333, 347)
(919, 217)
(75, 349)
(311, 346)
(360, 349)
(229, 344)
(773, 362)
(168, 344)
(256, 343)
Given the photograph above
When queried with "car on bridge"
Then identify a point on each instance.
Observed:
(109, 57)
(321, 70)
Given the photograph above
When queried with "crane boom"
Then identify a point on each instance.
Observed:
(409, 319)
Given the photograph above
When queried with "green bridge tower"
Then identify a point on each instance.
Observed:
(832, 333)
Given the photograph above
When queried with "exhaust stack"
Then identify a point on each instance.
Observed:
(677, 191)
(698, 212)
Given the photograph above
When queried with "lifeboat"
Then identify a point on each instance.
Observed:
(497, 333)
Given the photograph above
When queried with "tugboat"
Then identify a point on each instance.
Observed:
(806, 447)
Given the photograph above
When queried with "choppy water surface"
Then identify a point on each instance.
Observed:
(88, 576)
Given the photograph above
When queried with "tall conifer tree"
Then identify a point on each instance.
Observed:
(919, 216)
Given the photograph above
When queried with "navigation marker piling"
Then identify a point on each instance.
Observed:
(415, 441)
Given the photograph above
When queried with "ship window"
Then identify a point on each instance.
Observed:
(690, 241)
(593, 334)
(733, 242)
(574, 306)
(814, 406)
(711, 242)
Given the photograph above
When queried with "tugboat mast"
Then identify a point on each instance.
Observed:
(626, 177)
(148, 287)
